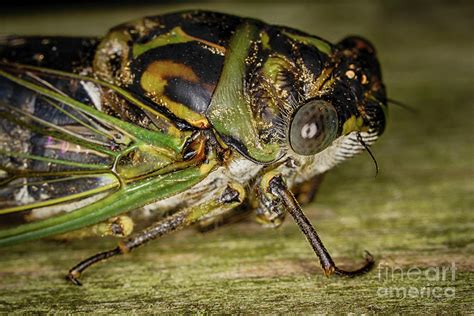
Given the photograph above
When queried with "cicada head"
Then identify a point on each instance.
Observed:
(350, 112)
(359, 71)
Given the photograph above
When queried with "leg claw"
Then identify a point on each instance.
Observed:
(73, 276)
(369, 264)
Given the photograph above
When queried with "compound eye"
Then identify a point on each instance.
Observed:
(313, 127)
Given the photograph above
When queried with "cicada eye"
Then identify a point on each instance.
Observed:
(313, 128)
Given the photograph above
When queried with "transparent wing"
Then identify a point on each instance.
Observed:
(67, 140)
(75, 151)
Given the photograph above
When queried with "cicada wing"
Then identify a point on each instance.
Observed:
(84, 148)
(62, 140)
(130, 197)
(52, 153)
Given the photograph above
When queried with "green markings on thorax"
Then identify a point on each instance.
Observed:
(230, 112)
(313, 41)
(174, 36)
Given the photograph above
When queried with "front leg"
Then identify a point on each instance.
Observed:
(278, 188)
(269, 208)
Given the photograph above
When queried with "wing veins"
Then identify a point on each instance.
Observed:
(53, 160)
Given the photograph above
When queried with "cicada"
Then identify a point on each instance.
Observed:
(189, 117)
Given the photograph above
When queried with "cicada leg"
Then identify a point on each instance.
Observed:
(228, 198)
(278, 188)
(271, 212)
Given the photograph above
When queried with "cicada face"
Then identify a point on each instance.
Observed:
(347, 112)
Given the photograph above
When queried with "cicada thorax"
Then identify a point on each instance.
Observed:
(203, 69)
(174, 61)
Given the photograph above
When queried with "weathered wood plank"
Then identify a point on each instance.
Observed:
(417, 214)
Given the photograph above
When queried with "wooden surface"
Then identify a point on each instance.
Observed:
(417, 214)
